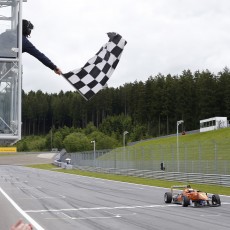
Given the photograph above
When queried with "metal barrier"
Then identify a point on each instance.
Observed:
(198, 178)
(207, 163)
(205, 158)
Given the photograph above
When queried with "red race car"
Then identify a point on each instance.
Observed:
(192, 197)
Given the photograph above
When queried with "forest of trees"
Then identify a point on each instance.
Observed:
(152, 108)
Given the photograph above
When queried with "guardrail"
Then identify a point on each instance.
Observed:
(199, 178)
(157, 162)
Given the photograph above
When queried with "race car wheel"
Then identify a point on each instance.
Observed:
(168, 197)
(185, 201)
(216, 199)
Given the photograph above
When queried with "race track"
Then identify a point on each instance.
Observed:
(52, 201)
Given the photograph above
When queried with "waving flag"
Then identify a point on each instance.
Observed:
(92, 77)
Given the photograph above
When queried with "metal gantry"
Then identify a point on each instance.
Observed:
(10, 70)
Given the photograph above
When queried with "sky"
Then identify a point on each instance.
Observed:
(163, 36)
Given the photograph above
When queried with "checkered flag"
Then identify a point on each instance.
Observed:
(92, 77)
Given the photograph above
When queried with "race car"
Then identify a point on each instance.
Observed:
(192, 197)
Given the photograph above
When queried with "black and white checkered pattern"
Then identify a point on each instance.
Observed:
(92, 77)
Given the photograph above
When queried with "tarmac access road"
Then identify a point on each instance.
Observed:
(59, 201)
(21, 158)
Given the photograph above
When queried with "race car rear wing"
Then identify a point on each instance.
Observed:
(179, 186)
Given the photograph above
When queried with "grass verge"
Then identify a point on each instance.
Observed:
(215, 189)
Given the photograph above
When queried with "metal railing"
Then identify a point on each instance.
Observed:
(198, 178)
(198, 163)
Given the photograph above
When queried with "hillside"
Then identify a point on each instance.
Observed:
(207, 152)
(221, 136)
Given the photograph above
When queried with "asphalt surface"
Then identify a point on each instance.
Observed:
(26, 158)
(52, 200)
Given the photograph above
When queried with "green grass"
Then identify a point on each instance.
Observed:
(220, 135)
(159, 183)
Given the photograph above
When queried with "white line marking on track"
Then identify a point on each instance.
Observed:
(64, 214)
(86, 218)
(211, 215)
(101, 208)
(102, 217)
(129, 189)
(23, 213)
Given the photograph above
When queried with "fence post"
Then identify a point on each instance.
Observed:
(199, 158)
(173, 158)
(115, 159)
(185, 158)
(216, 159)
(152, 158)
(142, 158)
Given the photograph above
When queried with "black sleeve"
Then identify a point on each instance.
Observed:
(29, 48)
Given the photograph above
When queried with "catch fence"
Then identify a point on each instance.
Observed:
(206, 162)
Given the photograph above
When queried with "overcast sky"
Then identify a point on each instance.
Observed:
(164, 36)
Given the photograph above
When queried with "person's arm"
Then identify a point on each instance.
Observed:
(29, 48)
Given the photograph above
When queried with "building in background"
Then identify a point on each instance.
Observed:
(213, 123)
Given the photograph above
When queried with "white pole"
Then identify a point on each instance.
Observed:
(125, 132)
(94, 152)
(177, 141)
(20, 71)
(177, 145)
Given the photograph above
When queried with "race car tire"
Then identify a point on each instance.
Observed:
(185, 201)
(216, 199)
(168, 197)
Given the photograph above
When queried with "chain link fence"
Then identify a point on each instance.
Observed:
(193, 163)
(211, 158)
